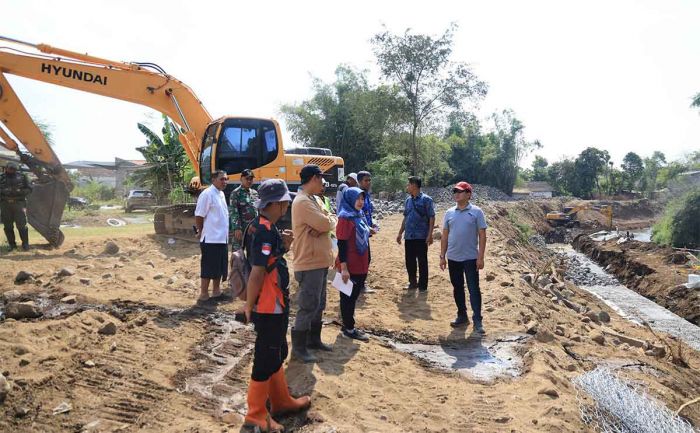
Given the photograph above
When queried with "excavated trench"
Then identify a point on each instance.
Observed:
(655, 284)
(629, 304)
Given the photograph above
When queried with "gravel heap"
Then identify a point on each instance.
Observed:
(386, 204)
(579, 272)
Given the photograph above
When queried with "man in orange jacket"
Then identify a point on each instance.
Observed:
(267, 305)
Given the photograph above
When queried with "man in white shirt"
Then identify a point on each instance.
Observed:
(212, 221)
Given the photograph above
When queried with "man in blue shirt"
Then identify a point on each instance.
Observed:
(417, 230)
(462, 248)
(364, 181)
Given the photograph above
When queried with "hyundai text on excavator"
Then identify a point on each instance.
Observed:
(229, 143)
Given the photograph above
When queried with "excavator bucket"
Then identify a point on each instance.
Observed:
(45, 208)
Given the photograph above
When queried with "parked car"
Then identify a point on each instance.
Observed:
(77, 203)
(139, 199)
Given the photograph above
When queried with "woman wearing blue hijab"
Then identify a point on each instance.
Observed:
(353, 255)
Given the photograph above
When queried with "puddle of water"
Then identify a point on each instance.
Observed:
(643, 235)
(633, 306)
(476, 358)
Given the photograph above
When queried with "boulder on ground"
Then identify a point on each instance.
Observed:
(108, 329)
(5, 388)
(111, 248)
(65, 272)
(598, 338)
(70, 299)
(544, 336)
(22, 310)
(11, 296)
(23, 276)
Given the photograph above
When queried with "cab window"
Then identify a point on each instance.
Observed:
(246, 143)
(205, 155)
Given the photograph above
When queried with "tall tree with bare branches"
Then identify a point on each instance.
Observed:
(429, 81)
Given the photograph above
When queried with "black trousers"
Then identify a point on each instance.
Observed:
(458, 270)
(270, 344)
(347, 303)
(417, 251)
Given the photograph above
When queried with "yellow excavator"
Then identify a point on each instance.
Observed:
(568, 217)
(229, 143)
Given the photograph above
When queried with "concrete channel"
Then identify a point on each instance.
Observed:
(627, 302)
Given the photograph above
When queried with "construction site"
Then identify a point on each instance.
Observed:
(107, 337)
(590, 282)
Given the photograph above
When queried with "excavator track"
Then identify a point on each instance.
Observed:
(176, 219)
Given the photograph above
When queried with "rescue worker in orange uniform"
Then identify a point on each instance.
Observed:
(267, 306)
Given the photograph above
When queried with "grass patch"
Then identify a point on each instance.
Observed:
(73, 234)
(524, 230)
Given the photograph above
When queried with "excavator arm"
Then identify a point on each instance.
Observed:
(140, 83)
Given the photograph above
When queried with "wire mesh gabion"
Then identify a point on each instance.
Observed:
(621, 407)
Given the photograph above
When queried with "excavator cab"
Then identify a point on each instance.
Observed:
(234, 144)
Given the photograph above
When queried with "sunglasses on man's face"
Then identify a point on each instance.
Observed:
(457, 191)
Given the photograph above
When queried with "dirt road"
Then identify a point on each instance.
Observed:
(170, 366)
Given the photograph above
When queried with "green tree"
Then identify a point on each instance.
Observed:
(428, 81)
(348, 116)
(590, 164)
(696, 101)
(562, 176)
(46, 130)
(166, 160)
(633, 166)
(539, 169)
(469, 149)
(652, 165)
(389, 173)
(679, 226)
(512, 148)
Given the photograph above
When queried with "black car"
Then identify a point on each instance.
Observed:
(77, 203)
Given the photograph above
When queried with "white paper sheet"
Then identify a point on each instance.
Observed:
(338, 283)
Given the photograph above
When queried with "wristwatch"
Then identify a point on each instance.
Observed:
(442, 257)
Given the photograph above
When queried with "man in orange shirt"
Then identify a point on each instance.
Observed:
(267, 305)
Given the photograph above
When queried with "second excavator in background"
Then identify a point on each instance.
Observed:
(568, 217)
(230, 143)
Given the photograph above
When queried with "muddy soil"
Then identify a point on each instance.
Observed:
(171, 366)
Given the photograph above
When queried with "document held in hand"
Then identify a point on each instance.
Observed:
(338, 283)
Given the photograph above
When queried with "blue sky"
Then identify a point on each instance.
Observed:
(614, 75)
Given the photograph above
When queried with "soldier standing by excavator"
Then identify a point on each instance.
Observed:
(241, 207)
(14, 189)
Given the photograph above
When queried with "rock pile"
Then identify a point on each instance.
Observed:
(579, 272)
(386, 204)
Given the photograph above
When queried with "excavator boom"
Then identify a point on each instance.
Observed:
(141, 84)
(229, 143)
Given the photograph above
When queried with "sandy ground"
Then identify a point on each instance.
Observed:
(171, 366)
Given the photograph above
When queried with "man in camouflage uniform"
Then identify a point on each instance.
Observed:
(241, 207)
(14, 189)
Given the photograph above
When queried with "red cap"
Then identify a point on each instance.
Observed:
(464, 186)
